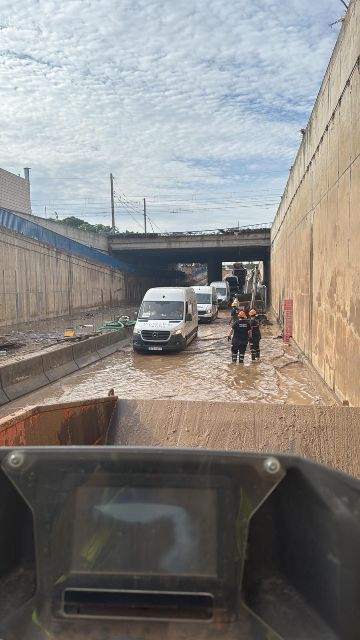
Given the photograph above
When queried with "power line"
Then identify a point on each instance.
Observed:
(131, 214)
(153, 223)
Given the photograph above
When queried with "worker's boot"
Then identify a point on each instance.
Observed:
(234, 357)
(257, 354)
(241, 359)
(253, 355)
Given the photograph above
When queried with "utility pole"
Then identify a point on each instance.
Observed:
(145, 215)
(112, 202)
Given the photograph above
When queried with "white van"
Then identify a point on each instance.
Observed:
(207, 304)
(223, 293)
(167, 320)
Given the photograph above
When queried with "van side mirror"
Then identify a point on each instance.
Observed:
(136, 313)
(188, 317)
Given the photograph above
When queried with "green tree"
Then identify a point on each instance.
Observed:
(78, 223)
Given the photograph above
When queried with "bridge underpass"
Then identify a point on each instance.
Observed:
(154, 250)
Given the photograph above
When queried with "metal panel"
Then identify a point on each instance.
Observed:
(13, 222)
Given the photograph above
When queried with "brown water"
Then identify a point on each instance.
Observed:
(203, 372)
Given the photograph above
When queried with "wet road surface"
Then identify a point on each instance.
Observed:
(203, 372)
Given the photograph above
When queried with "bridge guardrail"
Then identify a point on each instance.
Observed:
(265, 226)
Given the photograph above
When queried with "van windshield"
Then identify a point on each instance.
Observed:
(203, 298)
(162, 310)
(221, 291)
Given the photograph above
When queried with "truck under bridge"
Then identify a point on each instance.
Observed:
(251, 243)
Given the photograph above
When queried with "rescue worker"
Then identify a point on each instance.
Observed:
(234, 312)
(239, 334)
(255, 334)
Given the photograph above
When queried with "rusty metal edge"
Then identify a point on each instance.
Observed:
(31, 410)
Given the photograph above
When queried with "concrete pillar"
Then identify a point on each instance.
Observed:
(214, 267)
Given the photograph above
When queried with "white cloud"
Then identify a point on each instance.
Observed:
(204, 97)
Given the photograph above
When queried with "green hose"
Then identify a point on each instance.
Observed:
(116, 325)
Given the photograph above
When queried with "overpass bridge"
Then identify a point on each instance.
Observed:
(205, 247)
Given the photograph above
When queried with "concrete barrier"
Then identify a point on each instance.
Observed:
(3, 397)
(84, 352)
(19, 378)
(59, 363)
(108, 343)
(29, 374)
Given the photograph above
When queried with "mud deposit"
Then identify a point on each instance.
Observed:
(203, 372)
(260, 406)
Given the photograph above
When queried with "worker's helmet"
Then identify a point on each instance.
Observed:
(252, 312)
(234, 304)
(242, 314)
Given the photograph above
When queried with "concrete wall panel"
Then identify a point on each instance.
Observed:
(316, 240)
(354, 213)
(345, 132)
(355, 113)
(37, 281)
(332, 168)
(322, 183)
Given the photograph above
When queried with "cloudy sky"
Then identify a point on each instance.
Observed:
(194, 104)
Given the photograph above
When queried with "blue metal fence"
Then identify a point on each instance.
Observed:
(14, 222)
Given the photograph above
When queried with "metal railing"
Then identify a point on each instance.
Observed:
(264, 226)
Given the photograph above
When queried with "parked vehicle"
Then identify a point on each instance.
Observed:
(167, 319)
(233, 284)
(222, 292)
(207, 303)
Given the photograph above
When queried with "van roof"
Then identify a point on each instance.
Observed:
(222, 282)
(205, 288)
(168, 293)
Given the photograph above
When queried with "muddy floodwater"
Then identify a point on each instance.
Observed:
(203, 372)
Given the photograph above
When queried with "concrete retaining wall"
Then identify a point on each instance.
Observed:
(19, 378)
(316, 231)
(37, 281)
